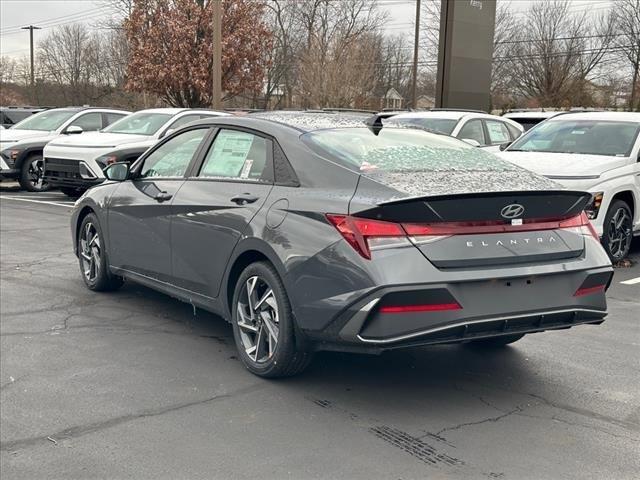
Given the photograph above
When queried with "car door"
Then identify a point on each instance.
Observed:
(214, 207)
(473, 130)
(140, 209)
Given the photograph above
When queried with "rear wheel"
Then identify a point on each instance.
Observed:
(263, 324)
(496, 342)
(617, 231)
(93, 257)
(32, 174)
(72, 192)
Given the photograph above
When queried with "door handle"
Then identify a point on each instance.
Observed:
(162, 197)
(244, 199)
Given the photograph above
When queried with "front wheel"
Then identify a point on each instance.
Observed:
(263, 324)
(32, 174)
(617, 231)
(93, 257)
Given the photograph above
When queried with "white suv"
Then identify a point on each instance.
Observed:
(474, 127)
(75, 164)
(594, 151)
(21, 146)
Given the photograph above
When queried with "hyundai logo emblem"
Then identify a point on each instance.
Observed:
(512, 211)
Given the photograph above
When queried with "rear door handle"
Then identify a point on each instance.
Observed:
(244, 199)
(162, 197)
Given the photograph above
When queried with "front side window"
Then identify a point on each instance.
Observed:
(442, 125)
(141, 123)
(589, 137)
(173, 157)
(498, 132)
(238, 155)
(89, 122)
(405, 150)
(46, 121)
(472, 130)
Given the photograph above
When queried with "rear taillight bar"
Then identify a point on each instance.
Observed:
(427, 307)
(582, 291)
(358, 232)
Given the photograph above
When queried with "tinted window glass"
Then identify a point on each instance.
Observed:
(113, 117)
(473, 131)
(89, 122)
(444, 125)
(590, 137)
(400, 150)
(14, 116)
(236, 154)
(498, 132)
(141, 123)
(173, 158)
(46, 121)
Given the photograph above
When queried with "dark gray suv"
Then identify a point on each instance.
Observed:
(319, 231)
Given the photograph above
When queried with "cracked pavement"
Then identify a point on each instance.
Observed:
(132, 384)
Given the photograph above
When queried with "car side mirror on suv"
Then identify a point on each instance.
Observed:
(73, 130)
(118, 172)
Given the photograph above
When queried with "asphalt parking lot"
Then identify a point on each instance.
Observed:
(133, 384)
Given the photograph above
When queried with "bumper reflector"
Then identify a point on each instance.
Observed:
(582, 291)
(429, 307)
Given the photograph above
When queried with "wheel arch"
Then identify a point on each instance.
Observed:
(247, 252)
(28, 152)
(84, 211)
(628, 197)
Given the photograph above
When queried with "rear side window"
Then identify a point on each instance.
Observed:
(113, 117)
(498, 132)
(173, 157)
(237, 155)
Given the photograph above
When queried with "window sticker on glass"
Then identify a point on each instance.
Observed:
(246, 169)
(228, 157)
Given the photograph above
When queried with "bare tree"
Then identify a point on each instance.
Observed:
(627, 42)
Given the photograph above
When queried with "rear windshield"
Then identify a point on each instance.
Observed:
(442, 125)
(46, 121)
(589, 137)
(400, 150)
(140, 123)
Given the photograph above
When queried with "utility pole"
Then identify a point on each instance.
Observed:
(31, 28)
(414, 76)
(216, 92)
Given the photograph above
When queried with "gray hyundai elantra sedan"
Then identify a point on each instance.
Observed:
(320, 231)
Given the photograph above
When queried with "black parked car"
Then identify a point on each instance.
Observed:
(315, 231)
(9, 116)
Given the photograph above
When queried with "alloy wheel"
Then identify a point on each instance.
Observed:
(90, 252)
(36, 174)
(258, 320)
(619, 234)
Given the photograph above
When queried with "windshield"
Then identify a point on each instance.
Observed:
(590, 137)
(140, 123)
(45, 121)
(400, 150)
(443, 125)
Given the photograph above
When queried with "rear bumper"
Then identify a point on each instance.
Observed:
(489, 308)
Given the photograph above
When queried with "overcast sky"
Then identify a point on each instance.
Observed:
(50, 13)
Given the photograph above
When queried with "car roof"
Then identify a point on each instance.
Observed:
(531, 114)
(610, 116)
(175, 111)
(309, 121)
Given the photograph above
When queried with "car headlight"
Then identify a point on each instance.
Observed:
(594, 206)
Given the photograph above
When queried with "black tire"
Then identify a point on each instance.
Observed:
(98, 277)
(72, 192)
(32, 174)
(286, 359)
(617, 231)
(496, 342)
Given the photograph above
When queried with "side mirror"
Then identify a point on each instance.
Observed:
(471, 142)
(503, 146)
(73, 130)
(118, 172)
